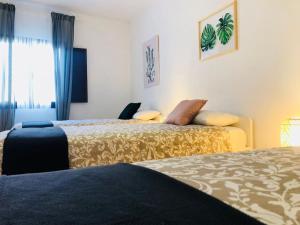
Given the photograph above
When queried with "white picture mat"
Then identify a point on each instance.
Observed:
(153, 44)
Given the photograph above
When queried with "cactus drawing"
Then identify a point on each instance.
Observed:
(150, 59)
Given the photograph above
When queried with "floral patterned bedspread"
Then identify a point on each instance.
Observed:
(263, 184)
(109, 144)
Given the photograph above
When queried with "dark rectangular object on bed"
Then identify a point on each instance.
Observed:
(37, 124)
(35, 150)
(113, 195)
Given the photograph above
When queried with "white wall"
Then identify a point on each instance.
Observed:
(261, 80)
(108, 45)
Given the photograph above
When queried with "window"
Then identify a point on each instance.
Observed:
(33, 81)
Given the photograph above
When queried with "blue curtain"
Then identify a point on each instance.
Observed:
(7, 106)
(63, 39)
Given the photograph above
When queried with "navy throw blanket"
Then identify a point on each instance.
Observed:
(37, 124)
(35, 150)
(114, 195)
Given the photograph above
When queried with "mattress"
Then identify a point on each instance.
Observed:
(264, 184)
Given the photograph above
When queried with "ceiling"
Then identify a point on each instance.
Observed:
(118, 9)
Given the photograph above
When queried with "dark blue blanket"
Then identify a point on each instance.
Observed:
(37, 124)
(114, 195)
(35, 150)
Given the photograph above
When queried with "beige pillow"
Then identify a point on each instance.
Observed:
(210, 118)
(146, 115)
(185, 112)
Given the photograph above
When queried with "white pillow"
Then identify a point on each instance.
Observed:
(219, 119)
(146, 115)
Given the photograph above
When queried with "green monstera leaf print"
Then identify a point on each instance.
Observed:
(208, 39)
(225, 28)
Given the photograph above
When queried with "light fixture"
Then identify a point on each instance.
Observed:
(290, 132)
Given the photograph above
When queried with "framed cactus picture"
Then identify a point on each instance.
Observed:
(151, 63)
(218, 33)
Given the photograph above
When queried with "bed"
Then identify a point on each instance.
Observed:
(264, 184)
(120, 194)
(113, 143)
(93, 122)
(139, 142)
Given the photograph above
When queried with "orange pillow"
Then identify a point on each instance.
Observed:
(185, 112)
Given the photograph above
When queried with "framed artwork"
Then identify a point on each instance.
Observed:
(151, 63)
(218, 33)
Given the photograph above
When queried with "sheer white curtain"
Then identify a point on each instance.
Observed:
(4, 67)
(33, 73)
